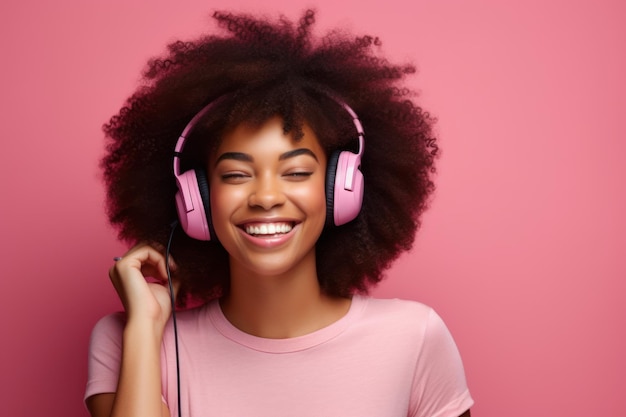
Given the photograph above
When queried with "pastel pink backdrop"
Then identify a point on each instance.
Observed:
(522, 252)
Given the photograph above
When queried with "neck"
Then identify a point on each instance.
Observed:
(280, 306)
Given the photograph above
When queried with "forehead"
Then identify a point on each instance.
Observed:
(267, 139)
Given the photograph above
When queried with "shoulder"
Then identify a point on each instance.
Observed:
(109, 326)
(112, 320)
(395, 305)
(410, 323)
(105, 344)
(397, 312)
(413, 321)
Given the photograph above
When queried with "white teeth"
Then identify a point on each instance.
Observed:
(268, 229)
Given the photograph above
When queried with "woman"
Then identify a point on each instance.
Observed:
(300, 174)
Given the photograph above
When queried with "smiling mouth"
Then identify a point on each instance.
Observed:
(268, 229)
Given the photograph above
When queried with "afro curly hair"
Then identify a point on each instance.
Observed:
(260, 69)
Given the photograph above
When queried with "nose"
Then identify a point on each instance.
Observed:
(266, 193)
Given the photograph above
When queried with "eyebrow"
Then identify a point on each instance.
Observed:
(297, 152)
(237, 156)
(240, 156)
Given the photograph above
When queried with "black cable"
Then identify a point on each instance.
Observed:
(173, 301)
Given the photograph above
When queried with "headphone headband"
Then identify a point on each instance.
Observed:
(180, 143)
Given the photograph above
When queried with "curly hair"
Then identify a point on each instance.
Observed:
(261, 69)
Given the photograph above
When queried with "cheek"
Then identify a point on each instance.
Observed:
(223, 201)
(311, 198)
(223, 204)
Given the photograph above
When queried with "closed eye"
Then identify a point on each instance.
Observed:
(298, 174)
(234, 177)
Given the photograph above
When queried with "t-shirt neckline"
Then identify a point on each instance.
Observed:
(293, 344)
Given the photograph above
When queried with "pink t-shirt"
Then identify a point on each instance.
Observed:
(384, 358)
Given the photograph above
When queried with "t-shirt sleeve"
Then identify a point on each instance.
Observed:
(105, 353)
(439, 386)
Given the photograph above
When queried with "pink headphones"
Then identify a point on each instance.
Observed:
(344, 185)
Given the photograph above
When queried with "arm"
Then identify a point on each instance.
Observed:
(148, 308)
(100, 405)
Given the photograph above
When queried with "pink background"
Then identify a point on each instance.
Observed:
(522, 252)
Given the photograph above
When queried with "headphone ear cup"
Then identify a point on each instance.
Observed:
(192, 204)
(205, 195)
(348, 188)
(331, 171)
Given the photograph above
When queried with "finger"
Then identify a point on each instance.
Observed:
(140, 258)
(160, 270)
(159, 247)
(161, 250)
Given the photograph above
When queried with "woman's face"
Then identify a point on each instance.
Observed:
(268, 202)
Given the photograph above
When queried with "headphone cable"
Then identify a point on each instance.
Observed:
(173, 301)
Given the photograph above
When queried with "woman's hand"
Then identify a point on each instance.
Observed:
(148, 307)
(145, 302)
